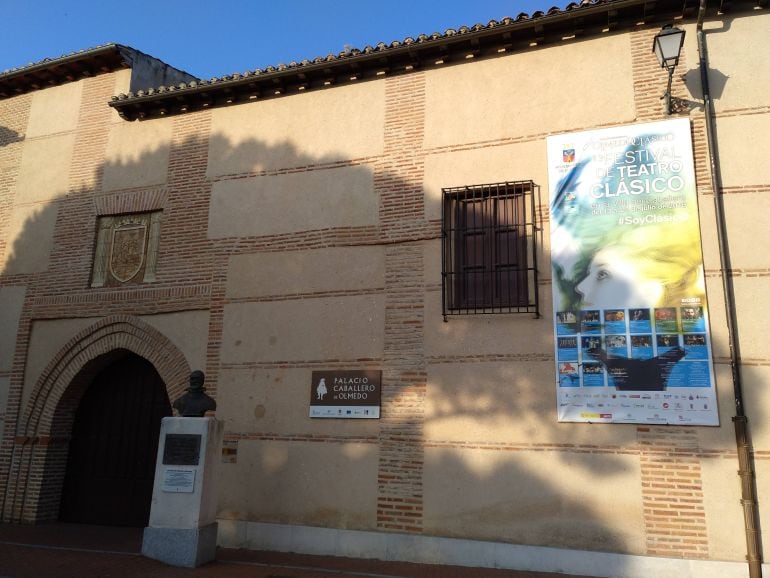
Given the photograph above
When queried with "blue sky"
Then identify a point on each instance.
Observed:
(214, 38)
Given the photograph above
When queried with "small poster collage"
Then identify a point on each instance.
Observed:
(670, 346)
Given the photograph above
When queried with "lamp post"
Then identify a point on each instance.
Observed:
(667, 47)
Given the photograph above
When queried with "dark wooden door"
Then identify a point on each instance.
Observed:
(111, 463)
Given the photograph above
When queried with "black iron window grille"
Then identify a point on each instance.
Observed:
(489, 249)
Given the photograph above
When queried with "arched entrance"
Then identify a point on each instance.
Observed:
(31, 481)
(111, 461)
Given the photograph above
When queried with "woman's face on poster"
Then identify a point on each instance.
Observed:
(615, 280)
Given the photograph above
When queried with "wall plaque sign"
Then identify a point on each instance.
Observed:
(349, 394)
(182, 450)
(178, 481)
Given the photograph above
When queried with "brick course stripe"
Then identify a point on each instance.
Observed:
(398, 180)
(15, 112)
(649, 78)
(364, 362)
(490, 358)
(743, 111)
(303, 296)
(304, 438)
(301, 169)
(672, 492)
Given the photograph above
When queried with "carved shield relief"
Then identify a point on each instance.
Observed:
(127, 254)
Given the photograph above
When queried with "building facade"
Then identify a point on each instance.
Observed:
(272, 224)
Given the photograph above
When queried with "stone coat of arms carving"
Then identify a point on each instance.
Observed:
(127, 252)
(126, 249)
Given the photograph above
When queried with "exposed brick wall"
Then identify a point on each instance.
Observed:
(650, 80)
(185, 256)
(398, 175)
(71, 255)
(15, 114)
(672, 492)
(31, 464)
(16, 452)
(398, 180)
(401, 456)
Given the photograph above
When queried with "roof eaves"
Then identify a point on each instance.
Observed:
(47, 63)
(65, 68)
(576, 20)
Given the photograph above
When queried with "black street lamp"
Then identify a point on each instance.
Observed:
(667, 47)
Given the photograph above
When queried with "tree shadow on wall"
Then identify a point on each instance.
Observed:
(9, 136)
(496, 465)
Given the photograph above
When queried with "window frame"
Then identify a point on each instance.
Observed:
(481, 274)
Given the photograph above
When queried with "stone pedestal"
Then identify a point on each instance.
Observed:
(183, 528)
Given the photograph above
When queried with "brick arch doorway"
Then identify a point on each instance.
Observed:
(31, 481)
(111, 458)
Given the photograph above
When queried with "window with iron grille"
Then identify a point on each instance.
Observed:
(489, 249)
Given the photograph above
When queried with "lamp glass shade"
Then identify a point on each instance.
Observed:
(667, 46)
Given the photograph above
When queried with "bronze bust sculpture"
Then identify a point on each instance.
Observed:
(195, 403)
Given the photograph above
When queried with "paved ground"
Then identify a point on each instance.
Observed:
(73, 550)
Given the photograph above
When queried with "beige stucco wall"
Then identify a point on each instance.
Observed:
(556, 89)
(522, 161)
(277, 399)
(744, 214)
(743, 142)
(739, 71)
(11, 303)
(188, 331)
(346, 328)
(313, 484)
(489, 334)
(755, 379)
(44, 171)
(137, 154)
(538, 498)
(122, 83)
(753, 315)
(740, 82)
(341, 197)
(55, 110)
(723, 437)
(298, 272)
(298, 130)
(46, 339)
(505, 402)
(763, 482)
(724, 514)
(30, 238)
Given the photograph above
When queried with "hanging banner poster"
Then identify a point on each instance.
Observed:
(629, 299)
